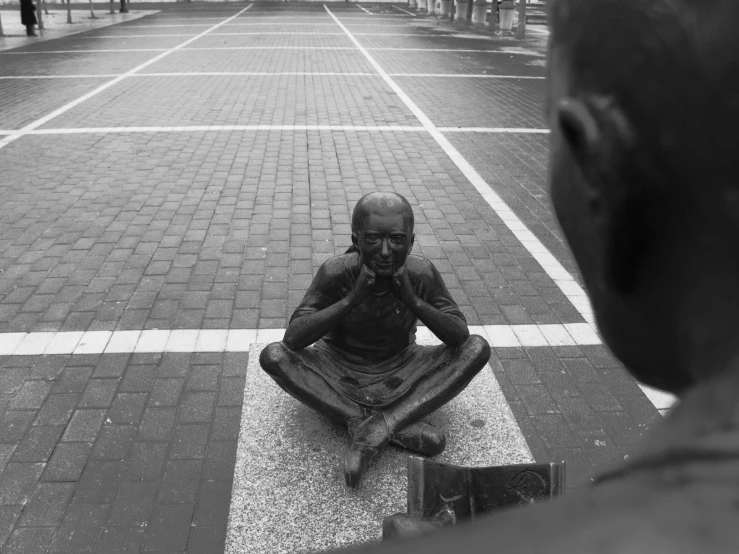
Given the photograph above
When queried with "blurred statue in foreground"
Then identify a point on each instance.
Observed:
(365, 368)
(643, 107)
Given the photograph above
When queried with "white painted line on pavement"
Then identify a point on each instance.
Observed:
(283, 128)
(39, 122)
(232, 340)
(520, 130)
(406, 11)
(217, 128)
(662, 400)
(257, 33)
(217, 48)
(24, 77)
(364, 9)
(296, 73)
(528, 240)
(464, 76)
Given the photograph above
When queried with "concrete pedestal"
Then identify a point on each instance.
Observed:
(430, 7)
(506, 16)
(289, 493)
(445, 8)
(460, 15)
(479, 10)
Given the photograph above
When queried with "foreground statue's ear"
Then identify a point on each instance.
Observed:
(413, 241)
(601, 142)
(355, 240)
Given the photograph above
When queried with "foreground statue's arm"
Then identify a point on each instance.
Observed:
(304, 331)
(449, 328)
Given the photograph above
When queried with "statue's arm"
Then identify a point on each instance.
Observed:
(306, 329)
(444, 319)
(449, 328)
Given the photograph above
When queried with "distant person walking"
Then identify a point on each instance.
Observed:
(28, 17)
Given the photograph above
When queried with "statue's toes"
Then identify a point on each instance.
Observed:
(356, 463)
(422, 438)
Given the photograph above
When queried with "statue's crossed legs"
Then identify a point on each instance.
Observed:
(399, 422)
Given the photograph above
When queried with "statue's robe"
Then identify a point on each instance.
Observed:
(371, 356)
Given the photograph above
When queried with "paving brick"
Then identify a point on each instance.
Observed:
(80, 529)
(30, 539)
(57, 410)
(30, 395)
(166, 392)
(8, 517)
(203, 378)
(47, 505)
(189, 441)
(180, 482)
(17, 482)
(197, 407)
(99, 393)
(145, 462)
(38, 444)
(73, 380)
(132, 505)
(84, 426)
(127, 408)
(536, 399)
(599, 397)
(121, 540)
(213, 504)
(99, 482)
(169, 528)
(205, 540)
(138, 378)
(14, 425)
(220, 460)
(114, 442)
(67, 461)
(157, 424)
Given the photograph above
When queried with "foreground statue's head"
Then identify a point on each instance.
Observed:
(643, 106)
(382, 231)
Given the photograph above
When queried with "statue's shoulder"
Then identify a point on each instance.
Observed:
(420, 267)
(339, 266)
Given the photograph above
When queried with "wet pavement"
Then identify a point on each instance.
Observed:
(168, 187)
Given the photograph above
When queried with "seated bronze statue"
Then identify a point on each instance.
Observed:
(364, 368)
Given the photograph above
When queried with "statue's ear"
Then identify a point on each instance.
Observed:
(355, 240)
(413, 241)
(601, 142)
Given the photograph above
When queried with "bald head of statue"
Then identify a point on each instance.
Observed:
(382, 231)
(643, 107)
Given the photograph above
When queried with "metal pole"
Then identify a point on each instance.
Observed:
(1, 27)
(112, 6)
(69, 11)
(92, 11)
(521, 31)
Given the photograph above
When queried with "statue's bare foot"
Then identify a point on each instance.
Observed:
(420, 437)
(370, 436)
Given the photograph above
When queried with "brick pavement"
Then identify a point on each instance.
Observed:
(163, 228)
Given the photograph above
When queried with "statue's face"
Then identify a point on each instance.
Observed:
(385, 240)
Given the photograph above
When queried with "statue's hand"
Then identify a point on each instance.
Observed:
(402, 287)
(365, 279)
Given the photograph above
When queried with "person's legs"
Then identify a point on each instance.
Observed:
(449, 375)
(295, 377)
(30, 31)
